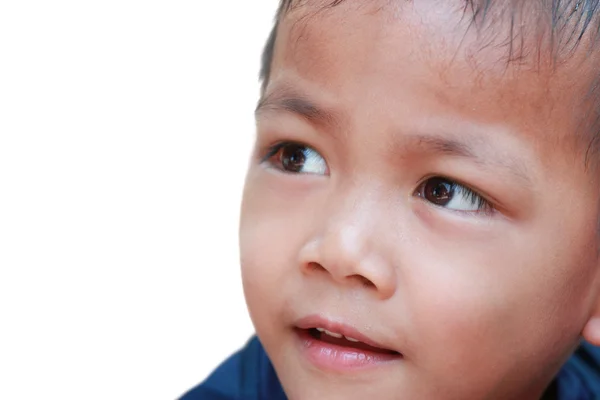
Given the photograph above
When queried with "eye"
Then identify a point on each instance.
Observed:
(453, 196)
(296, 158)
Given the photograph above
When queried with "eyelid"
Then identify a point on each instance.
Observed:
(490, 206)
(472, 188)
(485, 206)
(272, 151)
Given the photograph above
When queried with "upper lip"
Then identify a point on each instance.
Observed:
(317, 321)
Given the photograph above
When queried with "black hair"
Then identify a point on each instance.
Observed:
(567, 22)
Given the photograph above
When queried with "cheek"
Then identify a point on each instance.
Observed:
(468, 326)
(456, 314)
(509, 300)
(269, 237)
(261, 276)
(261, 262)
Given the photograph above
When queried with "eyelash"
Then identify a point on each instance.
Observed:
(446, 191)
(274, 149)
(474, 197)
(299, 159)
(471, 198)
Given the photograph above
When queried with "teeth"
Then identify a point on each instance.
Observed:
(335, 335)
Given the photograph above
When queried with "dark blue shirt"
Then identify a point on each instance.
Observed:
(249, 375)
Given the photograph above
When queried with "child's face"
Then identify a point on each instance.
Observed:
(431, 198)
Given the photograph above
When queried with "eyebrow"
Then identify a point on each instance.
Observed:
(290, 101)
(466, 148)
(443, 145)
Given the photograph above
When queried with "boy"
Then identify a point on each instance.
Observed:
(421, 213)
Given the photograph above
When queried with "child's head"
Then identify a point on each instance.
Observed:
(425, 177)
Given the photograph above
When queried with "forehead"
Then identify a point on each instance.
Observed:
(396, 57)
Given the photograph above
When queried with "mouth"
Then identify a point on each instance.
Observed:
(340, 348)
(338, 339)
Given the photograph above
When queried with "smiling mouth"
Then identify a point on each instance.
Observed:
(338, 339)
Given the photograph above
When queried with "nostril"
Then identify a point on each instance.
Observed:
(313, 266)
(366, 282)
(316, 267)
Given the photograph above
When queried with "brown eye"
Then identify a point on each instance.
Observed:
(297, 159)
(293, 157)
(438, 191)
(448, 194)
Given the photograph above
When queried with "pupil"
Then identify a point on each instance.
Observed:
(293, 158)
(439, 191)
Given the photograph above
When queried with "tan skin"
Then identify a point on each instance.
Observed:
(484, 298)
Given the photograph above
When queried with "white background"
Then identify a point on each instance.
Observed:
(125, 130)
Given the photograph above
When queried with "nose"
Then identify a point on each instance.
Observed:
(349, 252)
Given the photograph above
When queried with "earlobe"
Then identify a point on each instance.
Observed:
(591, 330)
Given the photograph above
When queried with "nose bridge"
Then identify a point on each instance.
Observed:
(345, 245)
(348, 247)
(351, 222)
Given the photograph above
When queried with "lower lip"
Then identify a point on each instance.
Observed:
(328, 356)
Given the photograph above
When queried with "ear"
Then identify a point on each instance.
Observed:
(591, 330)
